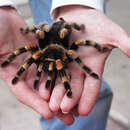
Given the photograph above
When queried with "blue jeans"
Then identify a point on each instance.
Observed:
(97, 119)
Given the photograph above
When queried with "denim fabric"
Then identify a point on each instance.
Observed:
(97, 119)
(41, 11)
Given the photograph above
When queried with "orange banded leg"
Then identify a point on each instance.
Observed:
(89, 43)
(53, 80)
(49, 77)
(49, 80)
(38, 32)
(75, 57)
(28, 29)
(52, 76)
(44, 27)
(24, 67)
(63, 32)
(28, 47)
(64, 78)
(38, 75)
(41, 30)
(76, 26)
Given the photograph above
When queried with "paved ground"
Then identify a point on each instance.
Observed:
(16, 116)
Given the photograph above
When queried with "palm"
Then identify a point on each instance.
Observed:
(10, 39)
(100, 29)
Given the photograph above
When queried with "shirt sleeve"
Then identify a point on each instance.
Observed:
(97, 4)
(7, 3)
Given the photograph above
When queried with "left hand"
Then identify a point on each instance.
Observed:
(98, 28)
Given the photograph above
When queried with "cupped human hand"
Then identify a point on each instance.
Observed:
(10, 39)
(85, 89)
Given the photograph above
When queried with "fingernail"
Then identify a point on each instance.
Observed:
(65, 112)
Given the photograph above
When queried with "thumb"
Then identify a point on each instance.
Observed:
(120, 39)
(124, 45)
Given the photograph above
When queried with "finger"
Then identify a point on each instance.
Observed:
(30, 78)
(74, 111)
(56, 97)
(43, 92)
(68, 119)
(119, 38)
(91, 85)
(31, 99)
(89, 95)
(76, 85)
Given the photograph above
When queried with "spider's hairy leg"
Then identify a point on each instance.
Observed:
(53, 80)
(45, 27)
(28, 29)
(28, 47)
(52, 74)
(24, 67)
(64, 78)
(38, 75)
(38, 32)
(89, 43)
(42, 29)
(75, 57)
(76, 26)
(49, 77)
(73, 24)
(63, 32)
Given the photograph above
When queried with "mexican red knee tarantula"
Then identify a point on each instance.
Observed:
(53, 54)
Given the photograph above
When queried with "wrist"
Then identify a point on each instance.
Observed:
(7, 10)
(74, 12)
(95, 4)
(70, 10)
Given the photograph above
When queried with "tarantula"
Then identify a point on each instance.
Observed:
(53, 54)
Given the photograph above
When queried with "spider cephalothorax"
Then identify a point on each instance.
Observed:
(53, 53)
